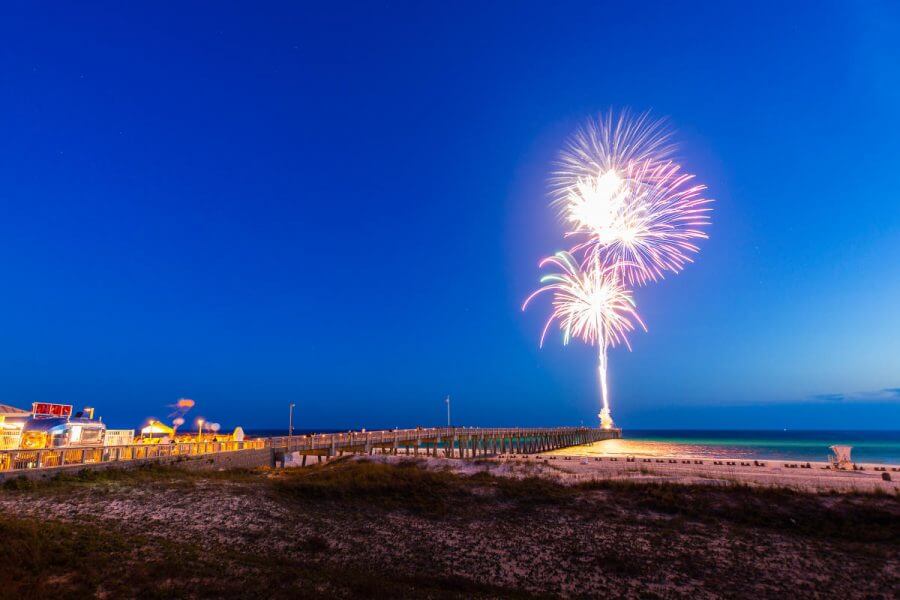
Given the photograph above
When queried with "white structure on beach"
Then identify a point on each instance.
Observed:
(841, 458)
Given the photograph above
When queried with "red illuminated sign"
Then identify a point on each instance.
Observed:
(47, 409)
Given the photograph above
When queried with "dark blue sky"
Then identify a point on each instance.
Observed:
(343, 206)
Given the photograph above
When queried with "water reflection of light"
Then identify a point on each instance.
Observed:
(870, 447)
(648, 449)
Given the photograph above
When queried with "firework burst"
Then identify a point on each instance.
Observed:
(612, 144)
(633, 215)
(626, 200)
(592, 305)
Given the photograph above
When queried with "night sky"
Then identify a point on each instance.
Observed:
(343, 206)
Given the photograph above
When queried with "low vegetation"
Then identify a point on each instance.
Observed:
(369, 529)
(51, 560)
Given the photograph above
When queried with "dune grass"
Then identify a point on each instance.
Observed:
(838, 516)
(47, 559)
(94, 558)
(409, 486)
(147, 473)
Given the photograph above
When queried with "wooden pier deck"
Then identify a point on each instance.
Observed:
(461, 442)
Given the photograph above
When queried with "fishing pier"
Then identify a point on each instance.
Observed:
(449, 442)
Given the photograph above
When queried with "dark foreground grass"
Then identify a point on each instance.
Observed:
(46, 559)
(43, 558)
(406, 486)
(409, 486)
(834, 516)
(654, 524)
(149, 473)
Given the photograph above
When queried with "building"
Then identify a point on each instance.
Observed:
(11, 421)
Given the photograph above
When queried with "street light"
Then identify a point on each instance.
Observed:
(291, 420)
(448, 410)
(199, 429)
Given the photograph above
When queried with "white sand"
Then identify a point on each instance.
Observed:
(567, 466)
(662, 462)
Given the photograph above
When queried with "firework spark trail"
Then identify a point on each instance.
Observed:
(606, 144)
(593, 305)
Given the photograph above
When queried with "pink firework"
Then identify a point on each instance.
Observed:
(627, 201)
(611, 144)
(591, 304)
(633, 214)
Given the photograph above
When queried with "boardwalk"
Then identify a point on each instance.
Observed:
(18, 461)
(444, 441)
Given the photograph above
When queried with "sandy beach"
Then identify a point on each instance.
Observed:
(660, 462)
(664, 462)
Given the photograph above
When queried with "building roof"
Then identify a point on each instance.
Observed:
(11, 411)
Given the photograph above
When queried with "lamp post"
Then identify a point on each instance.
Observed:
(199, 429)
(291, 420)
(448, 410)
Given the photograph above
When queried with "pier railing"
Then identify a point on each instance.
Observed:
(23, 459)
(446, 441)
(451, 441)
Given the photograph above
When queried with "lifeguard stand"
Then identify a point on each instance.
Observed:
(840, 457)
